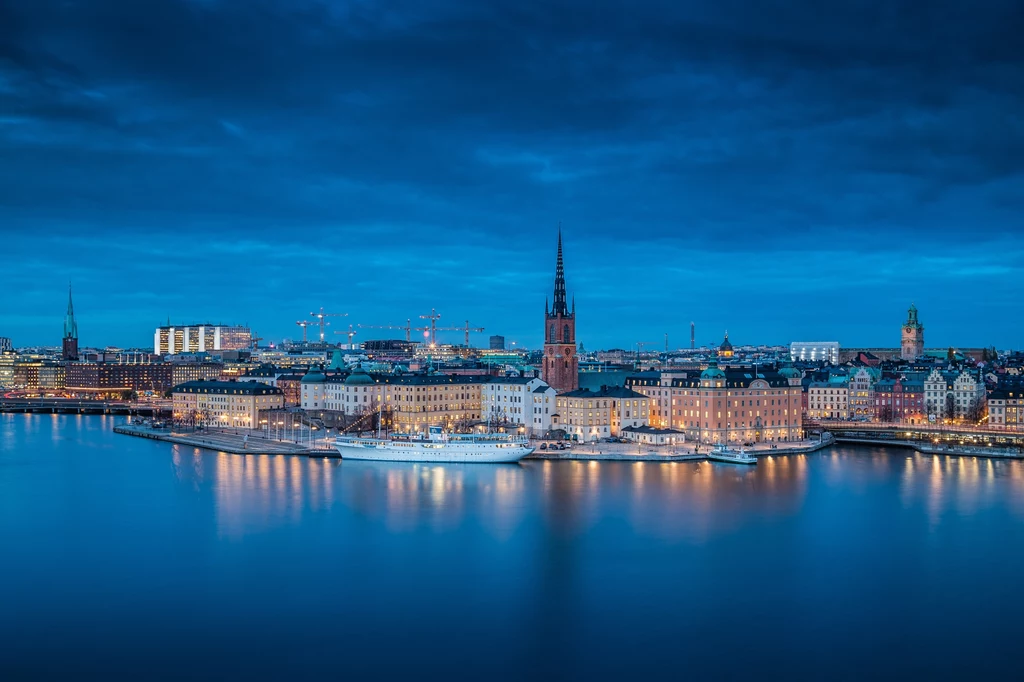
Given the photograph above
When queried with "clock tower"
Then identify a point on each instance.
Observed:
(913, 336)
(561, 366)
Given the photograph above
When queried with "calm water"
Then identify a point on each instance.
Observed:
(125, 557)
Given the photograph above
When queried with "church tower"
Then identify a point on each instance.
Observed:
(913, 336)
(561, 366)
(69, 345)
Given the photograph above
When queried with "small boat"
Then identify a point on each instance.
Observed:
(723, 453)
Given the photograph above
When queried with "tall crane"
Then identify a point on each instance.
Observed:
(466, 329)
(256, 338)
(322, 317)
(304, 324)
(434, 316)
(350, 333)
(408, 328)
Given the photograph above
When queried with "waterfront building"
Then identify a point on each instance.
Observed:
(412, 401)
(912, 345)
(497, 342)
(814, 351)
(739, 405)
(591, 415)
(200, 338)
(69, 344)
(108, 378)
(758, 403)
(560, 365)
(652, 435)
(1006, 406)
(513, 401)
(52, 376)
(237, 404)
(829, 399)
(954, 395)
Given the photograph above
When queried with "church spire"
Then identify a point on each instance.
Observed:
(560, 307)
(70, 326)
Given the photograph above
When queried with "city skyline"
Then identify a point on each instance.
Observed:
(786, 172)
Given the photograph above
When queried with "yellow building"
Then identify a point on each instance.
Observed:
(591, 415)
(235, 404)
(413, 401)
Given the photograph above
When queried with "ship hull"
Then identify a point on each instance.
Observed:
(432, 452)
(732, 459)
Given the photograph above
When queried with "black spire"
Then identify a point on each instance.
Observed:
(560, 307)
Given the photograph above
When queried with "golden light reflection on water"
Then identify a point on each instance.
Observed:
(672, 500)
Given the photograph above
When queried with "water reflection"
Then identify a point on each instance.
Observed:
(667, 500)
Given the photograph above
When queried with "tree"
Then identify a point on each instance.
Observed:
(950, 411)
(885, 413)
(951, 355)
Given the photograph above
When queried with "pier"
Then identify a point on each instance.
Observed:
(230, 441)
(73, 406)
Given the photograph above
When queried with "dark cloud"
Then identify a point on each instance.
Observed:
(794, 132)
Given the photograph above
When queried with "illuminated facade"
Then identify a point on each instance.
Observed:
(200, 338)
(113, 377)
(828, 399)
(592, 415)
(814, 351)
(235, 404)
(1006, 408)
(737, 404)
(413, 401)
(560, 366)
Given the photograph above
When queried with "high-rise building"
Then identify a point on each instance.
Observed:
(913, 336)
(560, 368)
(5, 345)
(497, 342)
(69, 345)
(200, 338)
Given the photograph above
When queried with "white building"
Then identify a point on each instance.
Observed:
(828, 399)
(815, 351)
(949, 395)
(200, 338)
(519, 401)
(861, 392)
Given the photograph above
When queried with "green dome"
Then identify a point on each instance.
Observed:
(712, 372)
(791, 372)
(314, 376)
(359, 377)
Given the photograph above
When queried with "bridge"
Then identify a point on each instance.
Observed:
(77, 406)
(921, 436)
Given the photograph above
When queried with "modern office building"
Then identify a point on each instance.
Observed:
(104, 378)
(497, 342)
(5, 345)
(200, 338)
(814, 351)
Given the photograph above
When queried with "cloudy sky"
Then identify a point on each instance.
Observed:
(771, 168)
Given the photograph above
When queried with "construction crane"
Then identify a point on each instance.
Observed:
(408, 328)
(304, 324)
(466, 329)
(256, 340)
(434, 316)
(322, 317)
(350, 333)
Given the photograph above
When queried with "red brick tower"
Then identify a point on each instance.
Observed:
(561, 366)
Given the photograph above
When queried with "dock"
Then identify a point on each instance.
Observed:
(229, 440)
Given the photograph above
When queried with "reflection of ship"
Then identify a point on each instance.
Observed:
(437, 447)
(722, 453)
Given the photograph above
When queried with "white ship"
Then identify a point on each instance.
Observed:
(437, 447)
(722, 453)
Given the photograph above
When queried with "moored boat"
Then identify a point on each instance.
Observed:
(438, 446)
(723, 453)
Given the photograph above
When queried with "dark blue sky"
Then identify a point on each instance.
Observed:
(775, 168)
